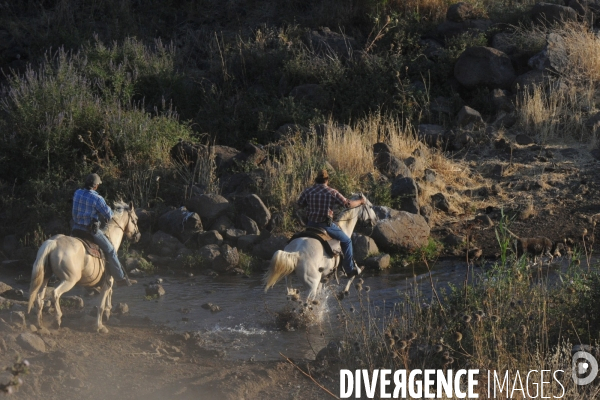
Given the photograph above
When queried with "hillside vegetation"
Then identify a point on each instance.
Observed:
(112, 86)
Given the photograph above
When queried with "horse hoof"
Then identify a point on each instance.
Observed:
(102, 329)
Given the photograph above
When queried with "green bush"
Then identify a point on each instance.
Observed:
(76, 113)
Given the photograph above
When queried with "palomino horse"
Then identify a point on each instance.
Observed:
(307, 257)
(66, 257)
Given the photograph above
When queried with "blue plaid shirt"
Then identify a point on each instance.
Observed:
(87, 204)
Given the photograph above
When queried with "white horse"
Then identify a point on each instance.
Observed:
(66, 257)
(307, 257)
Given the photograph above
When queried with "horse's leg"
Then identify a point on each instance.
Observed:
(108, 307)
(104, 295)
(40, 301)
(63, 287)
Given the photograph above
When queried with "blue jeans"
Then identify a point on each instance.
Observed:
(346, 243)
(113, 265)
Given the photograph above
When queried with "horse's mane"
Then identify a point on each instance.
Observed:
(345, 211)
(119, 209)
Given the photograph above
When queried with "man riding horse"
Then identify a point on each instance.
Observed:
(87, 205)
(319, 200)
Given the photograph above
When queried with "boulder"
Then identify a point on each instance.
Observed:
(578, 7)
(208, 206)
(504, 42)
(155, 289)
(266, 248)
(548, 13)
(232, 235)
(145, 219)
(405, 232)
(484, 66)
(391, 166)
(449, 29)
(406, 191)
(462, 140)
(251, 154)
(224, 156)
(363, 247)
(501, 101)
(221, 224)
(31, 342)
(433, 135)
(430, 176)
(384, 212)
(381, 147)
(414, 164)
(230, 257)
(255, 209)
(181, 223)
(219, 258)
(524, 140)
(467, 115)
(378, 262)
(554, 57)
(187, 153)
(210, 237)
(426, 211)
(242, 183)
(440, 202)
(165, 244)
(246, 241)
(247, 224)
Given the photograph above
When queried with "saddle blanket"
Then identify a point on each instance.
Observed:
(88, 242)
(332, 246)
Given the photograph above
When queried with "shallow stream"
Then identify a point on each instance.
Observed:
(245, 328)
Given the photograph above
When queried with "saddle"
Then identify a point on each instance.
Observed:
(331, 246)
(88, 242)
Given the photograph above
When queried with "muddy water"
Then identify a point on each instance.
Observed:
(245, 328)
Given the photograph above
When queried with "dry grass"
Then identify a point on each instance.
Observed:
(350, 153)
(559, 109)
(511, 318)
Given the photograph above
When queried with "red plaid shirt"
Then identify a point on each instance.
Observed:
(319, 199)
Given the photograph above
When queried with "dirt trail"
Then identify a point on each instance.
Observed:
(137, 360)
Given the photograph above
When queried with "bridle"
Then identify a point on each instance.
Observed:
(364, 209)
(136, 231)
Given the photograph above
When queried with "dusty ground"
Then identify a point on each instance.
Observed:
(137, 360)
(545, 190)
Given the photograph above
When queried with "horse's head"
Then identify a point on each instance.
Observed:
(366, 214)
(128, 221)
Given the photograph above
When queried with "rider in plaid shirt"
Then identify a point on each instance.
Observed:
(87, 205)
(319, 199)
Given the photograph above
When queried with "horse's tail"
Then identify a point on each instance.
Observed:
(282, 264)
(37, 275)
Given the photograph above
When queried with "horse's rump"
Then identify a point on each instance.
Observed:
(71, 258)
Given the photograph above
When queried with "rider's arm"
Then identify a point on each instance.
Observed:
(103, 208)
(347, 202)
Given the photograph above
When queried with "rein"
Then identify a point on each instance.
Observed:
(123, 229)
(348, 209)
